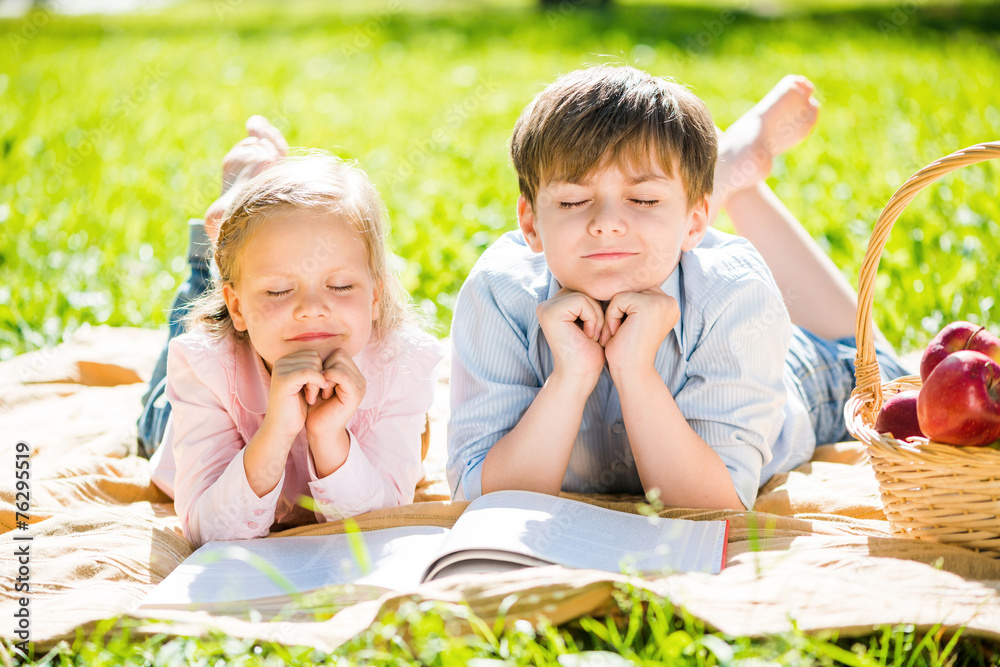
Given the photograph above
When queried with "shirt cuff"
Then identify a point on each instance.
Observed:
(472, 482)
(240, 509)
(348, 490)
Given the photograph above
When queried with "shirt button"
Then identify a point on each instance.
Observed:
(251, 525)
(618, 428)
(259, 512)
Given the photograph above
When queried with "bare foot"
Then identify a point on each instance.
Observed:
(263, 146)
(781, 119)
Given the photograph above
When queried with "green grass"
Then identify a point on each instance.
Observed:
(645, 630)
(112, 129)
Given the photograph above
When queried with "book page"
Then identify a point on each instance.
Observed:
(222, 572)
(576, 534)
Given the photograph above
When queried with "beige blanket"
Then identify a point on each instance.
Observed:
(816, 552)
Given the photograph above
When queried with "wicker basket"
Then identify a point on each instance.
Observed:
(930, 491)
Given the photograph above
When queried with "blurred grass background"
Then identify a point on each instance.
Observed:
(112, 130)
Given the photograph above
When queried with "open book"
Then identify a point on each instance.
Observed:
(499, 531)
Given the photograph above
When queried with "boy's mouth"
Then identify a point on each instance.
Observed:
(611, 254)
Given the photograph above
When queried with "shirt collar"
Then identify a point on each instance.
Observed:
(253, 382)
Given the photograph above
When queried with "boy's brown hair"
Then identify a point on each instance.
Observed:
(592, 117)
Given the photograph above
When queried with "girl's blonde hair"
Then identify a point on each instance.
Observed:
(313, 181)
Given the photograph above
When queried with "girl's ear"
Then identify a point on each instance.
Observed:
(233, 304)
(526, 221)
(376, 293)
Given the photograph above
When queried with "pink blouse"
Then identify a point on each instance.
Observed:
(218, 393)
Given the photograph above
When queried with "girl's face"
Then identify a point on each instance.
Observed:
(304, 284)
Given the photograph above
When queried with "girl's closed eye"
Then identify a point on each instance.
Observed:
(277, 293)
(341, 288)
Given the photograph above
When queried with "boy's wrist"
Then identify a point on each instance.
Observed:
(635, 378)
(572, 387)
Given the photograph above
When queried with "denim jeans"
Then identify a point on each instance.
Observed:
(826, 371)
(156, 409)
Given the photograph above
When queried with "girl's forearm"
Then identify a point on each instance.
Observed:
(264, 459)
(533, 456)
(668, 454)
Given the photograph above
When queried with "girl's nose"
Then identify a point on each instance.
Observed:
(311, 304)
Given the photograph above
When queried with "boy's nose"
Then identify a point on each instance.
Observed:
(608, 219)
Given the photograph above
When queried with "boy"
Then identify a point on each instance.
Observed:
(617, 344)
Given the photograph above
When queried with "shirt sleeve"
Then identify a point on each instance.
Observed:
(383, 466)
(734, 393)
(492, 382)
(212, 496)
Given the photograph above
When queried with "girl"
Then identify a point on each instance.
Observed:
(301, 374)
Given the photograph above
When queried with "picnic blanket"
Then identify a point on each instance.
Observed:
(815, 553)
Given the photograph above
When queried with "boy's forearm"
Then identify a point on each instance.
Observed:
(669, 454)
(534, 455)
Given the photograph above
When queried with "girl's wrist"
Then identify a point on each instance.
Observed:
(330, 453)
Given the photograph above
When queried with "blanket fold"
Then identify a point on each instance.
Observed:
(816, 552)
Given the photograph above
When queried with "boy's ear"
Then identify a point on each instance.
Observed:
(233, 304)
(699, 225)
(526, 221)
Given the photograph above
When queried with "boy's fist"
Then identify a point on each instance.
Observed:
(572, 323)
(635, 325)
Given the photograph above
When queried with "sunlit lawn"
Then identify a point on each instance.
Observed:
(112, 130)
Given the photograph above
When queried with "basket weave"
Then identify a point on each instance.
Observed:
(930, 491)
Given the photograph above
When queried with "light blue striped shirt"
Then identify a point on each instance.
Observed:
(723, 362)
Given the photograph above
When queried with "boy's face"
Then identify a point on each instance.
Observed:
(614, 231)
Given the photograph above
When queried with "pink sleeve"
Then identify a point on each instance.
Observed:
(383, 468)
(211, 494)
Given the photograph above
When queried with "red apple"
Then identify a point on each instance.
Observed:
(952, 338)
(898, 416)
(985, 342)
(959, 403)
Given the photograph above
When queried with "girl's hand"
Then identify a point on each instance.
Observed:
(327, 417)
(297, 380)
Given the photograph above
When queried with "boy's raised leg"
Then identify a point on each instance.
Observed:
(817, 295)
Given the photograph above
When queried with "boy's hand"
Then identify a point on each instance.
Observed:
(296, 381)
(572, 323)
(635, 325)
